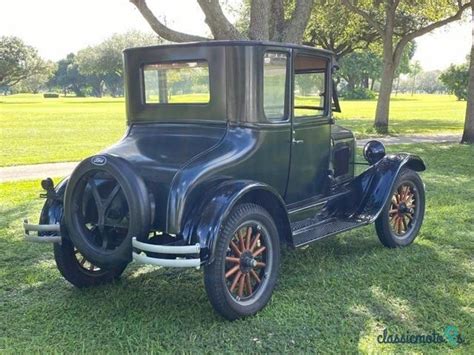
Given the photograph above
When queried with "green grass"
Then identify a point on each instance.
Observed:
(36, 130)
(337, 295)
(417, 114)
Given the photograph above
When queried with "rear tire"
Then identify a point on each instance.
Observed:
(78, 270)
(240, 280)
(402, 216)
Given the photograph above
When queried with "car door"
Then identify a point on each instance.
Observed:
(310, 146)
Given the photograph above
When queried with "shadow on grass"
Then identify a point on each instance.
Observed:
(327, 295)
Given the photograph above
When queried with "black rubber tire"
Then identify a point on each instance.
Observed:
(382, 224)
(137, 197)
(72, 271)
(214, 279)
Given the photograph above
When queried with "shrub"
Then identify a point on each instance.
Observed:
(50, 95)
(359, 94)
(455, 78)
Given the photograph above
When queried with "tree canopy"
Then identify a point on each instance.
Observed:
(455, 78)
(18, 61)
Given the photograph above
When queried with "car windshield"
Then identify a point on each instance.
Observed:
(176, 83)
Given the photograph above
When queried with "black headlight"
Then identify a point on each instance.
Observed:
(374, 151)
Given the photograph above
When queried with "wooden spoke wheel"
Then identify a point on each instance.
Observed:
(246, 261)
(400, 220)
(241, 279)
(403, 208)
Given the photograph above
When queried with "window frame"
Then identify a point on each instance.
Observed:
(325, 112)
(286, 110)
(156, 104)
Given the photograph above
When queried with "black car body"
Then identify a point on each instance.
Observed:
(217, 125)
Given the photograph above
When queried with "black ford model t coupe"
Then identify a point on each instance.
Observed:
(231, 152)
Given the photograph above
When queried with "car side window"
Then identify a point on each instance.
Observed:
(310, 86)
(274, 85)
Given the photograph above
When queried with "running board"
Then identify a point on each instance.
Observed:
(310, 230)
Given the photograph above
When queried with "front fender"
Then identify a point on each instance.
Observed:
(205, 222)
(372, 188)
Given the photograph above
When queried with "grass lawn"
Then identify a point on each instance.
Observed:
(418, 114)
(36, 130)
(337, 295)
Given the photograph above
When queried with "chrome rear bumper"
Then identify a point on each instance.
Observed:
(189, 250)
(54, 228)
(140, 256)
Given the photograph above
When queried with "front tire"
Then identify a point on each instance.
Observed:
(400, 220)
(240, 280)
(80, 272)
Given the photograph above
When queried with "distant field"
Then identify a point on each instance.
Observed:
(418, 114)
(36, 130)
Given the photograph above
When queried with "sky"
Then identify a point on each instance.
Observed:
(59, 27)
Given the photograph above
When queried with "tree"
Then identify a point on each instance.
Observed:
(18, 61)
(67, 77)
(398, 22)
(428, 81)
(334, 27)
(456, 79)
(38, 81)
(276, 20)
(468, 134)
(415, 69)
(103, 63)
(358, 67)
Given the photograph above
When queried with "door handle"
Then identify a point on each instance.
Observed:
(297, 141)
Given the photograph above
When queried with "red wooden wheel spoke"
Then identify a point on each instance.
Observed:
(232, 271)
(392, 211)
(236, 279)
(234, 248)
(404, 223)
(241, 241)
(260, 264)
(259, 251)
(394, 200)
(232, 259)
(254, 274)
(255, 241)
(241, 285)
(248, 238)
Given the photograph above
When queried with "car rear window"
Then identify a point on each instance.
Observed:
(176, 83)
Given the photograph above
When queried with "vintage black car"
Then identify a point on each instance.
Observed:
(231, 152)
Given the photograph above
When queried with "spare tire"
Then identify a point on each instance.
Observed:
(106, 204)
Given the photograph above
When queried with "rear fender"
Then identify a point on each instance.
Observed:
(205, 222)
(372, 188)
(52, 211)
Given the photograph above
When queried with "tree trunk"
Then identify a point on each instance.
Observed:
(468, 135)
(383, 102)
(365, 82)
